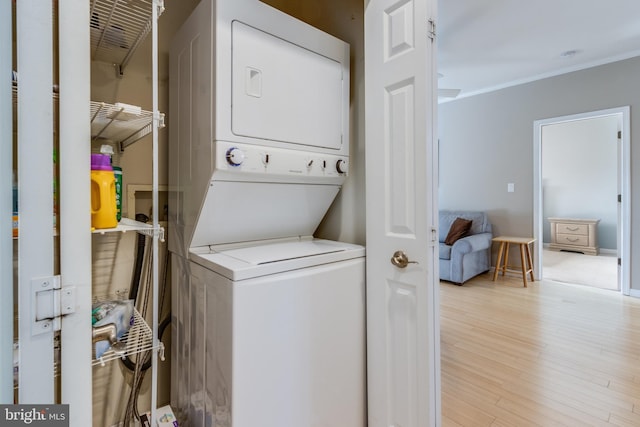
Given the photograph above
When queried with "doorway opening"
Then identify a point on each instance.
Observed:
(618, 242)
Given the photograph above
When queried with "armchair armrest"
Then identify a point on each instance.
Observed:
(472, 243)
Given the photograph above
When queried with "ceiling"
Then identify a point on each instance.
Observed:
(484, 45)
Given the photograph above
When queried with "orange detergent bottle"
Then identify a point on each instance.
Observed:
(103, 192)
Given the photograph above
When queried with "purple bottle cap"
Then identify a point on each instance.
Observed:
(101, 162)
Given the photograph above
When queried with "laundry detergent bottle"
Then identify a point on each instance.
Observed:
(103, 192)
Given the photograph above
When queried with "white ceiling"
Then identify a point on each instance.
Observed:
(484, 45)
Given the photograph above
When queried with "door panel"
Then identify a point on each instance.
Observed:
(402, 338)
(399, 102)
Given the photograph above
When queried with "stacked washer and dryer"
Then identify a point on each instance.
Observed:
(268, 321)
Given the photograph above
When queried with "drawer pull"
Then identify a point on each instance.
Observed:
(572, 240)
(572, 229)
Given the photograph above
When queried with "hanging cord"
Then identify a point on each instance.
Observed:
(126, 361)
(138, 374)
(140, 250)
(143, 360)
(165, 269)
(145, 356)
(136, 386)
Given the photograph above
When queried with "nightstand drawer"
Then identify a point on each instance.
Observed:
(572, 239)
(579, 229)
(574, 234)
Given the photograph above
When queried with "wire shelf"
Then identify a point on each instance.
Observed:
(118, 27)
(117, 123)
(139, 338)
(127, 224)
(114, 122)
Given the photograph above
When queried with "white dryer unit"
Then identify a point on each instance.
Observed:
(244, 74)
(267, 321)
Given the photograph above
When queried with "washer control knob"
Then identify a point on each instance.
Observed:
(235, 156)
(342, 166)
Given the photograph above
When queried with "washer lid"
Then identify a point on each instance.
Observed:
(239, 263)
(258, 255)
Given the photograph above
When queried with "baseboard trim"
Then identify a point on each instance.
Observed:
(634, 293)
(608, 251)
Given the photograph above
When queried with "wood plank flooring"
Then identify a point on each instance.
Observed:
(547, 355)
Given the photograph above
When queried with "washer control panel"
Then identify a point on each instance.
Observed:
(277, 162)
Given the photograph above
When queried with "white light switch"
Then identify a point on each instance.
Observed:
(511, 187)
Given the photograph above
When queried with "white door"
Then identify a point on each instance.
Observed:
(36, 260)
(34, 26)
(403, 355)
(75, 196)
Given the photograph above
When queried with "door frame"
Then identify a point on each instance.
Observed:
(624, 178)
(74, 64)
(6, 242)
(34, 38)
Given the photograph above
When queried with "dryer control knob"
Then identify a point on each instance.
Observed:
(342, 166)
(235, 156)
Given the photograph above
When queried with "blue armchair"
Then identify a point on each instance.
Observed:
(468, 256)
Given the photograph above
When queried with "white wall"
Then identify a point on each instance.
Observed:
(487, 141)
(579, 174)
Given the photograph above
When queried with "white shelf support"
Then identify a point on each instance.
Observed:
(158, 6)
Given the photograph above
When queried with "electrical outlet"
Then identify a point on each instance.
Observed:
(511, 187)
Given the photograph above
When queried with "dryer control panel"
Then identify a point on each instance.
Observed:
(256, 162)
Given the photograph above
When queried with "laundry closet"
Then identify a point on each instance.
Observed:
(109, 264)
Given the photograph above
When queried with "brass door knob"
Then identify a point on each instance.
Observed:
(400, 259)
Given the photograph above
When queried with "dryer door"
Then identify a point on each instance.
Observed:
(283, 92)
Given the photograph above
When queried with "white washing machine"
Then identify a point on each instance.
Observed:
(267, 322)
(276, 335)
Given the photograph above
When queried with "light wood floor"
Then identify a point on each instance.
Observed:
(546, 355)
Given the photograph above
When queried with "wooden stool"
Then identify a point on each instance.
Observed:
(525, 255)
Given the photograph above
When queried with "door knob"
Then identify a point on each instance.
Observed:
(400, 259)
